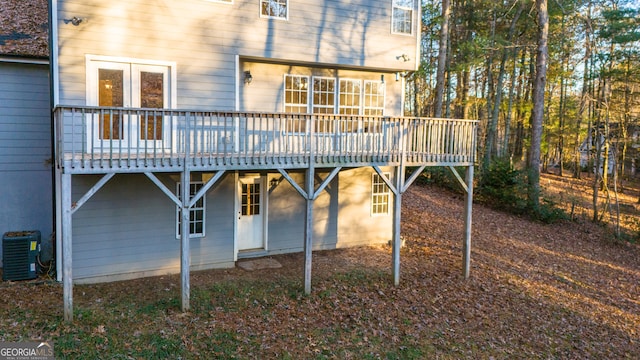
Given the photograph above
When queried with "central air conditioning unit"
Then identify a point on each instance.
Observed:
(20, 250)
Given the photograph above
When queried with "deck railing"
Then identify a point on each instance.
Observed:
(123, 139)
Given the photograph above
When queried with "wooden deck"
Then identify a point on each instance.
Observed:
(107, 140)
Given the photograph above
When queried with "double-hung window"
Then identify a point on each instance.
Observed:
(373, 98)
(324, 102)
(328, 96)
(196, 213)
(296, 100)
(350, 92)
(324, 95)
(380, 195)
(276, 9)
(402, 16)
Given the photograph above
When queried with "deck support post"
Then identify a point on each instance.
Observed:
(308, 227)
(397, 216)
(67, 277)
(308, 230)
(466, 257)
(184, 239)
(185, 197)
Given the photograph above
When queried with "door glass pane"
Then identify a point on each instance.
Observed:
(151, 96)
(110, 93)
(250, 199)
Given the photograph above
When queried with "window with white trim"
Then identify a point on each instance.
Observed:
(324, 95)
(373, 98)
(196, 213)
(296, 100)
(296, 93)
(276, 9)
(352, 99)
(402, 16)
(380, 195)
(350, 92)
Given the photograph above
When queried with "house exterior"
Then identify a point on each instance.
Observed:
(26, 195)
(587, 152)
(285, 118)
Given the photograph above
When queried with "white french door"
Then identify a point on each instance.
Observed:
(251, 214)
(128, 85)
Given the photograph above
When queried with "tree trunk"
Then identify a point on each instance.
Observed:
(493, 123)
(585, 88)
(507, 120)
(564, 65)
(537, 114)
(442, 58)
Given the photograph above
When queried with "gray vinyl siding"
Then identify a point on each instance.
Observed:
(25, 149)
(128, 229)
(287, 209)
(204, 38)
(357, 226)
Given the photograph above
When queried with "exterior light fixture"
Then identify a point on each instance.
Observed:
(400, 74)
(247, 77)
(382, 78)
(75, 21)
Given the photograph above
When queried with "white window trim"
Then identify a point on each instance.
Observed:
(373, 193)
(194, 208)
(93, 62)
(284, 88)
(335, 94)
(413, 21)
(336, 107)
(360, 96)
(381, 86)
(285, 18)
(172, 65)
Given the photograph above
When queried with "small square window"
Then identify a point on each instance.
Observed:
(277, 9)
(402, 16)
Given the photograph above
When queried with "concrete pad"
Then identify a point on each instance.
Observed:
(258, 264)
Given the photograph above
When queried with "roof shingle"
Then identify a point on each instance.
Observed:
(24, 28)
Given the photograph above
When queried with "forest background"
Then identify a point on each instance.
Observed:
(555, 85)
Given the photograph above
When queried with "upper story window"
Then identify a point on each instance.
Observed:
(296, 93)
(402, 16)
(278, 9)
(349, 97)
(373, 98)
(296, 100)
(328, 95)
(324, 95)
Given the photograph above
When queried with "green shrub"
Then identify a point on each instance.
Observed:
(504, 187)
(440, 176)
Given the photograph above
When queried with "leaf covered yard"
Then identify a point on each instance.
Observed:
(566, 291)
